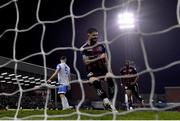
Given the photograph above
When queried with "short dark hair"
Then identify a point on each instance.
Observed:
(91, 30)
(63, 58)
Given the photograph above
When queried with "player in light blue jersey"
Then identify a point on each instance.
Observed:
(63, 73)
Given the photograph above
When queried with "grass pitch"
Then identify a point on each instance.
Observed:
(28, 114)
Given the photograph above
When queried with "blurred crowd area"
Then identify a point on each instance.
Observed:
(10, 96)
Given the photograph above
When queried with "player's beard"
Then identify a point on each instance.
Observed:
(93, 41)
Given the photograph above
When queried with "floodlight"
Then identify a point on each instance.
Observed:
(126, 20)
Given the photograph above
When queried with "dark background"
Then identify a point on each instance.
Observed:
(155, 15)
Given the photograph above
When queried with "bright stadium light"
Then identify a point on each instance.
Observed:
(126, 20)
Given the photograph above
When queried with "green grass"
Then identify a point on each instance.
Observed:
(97, 115)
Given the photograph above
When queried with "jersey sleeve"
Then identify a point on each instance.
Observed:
(69, 70)
(84, 51)
(121, 71)
(122, 74)
(58, 67)
(134, 70)
(103, 49)
(84, 56)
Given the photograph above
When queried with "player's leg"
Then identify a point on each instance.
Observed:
(126, 100)
(64, 101)
(97, 85)
(99, 90)
(129, 98)
(62, 91)
(101, 93)
(137, 94)
(110, 88)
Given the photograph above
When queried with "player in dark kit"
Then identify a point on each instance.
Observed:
(95, 59)
(130, 84)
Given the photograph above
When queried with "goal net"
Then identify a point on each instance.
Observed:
(34, 34)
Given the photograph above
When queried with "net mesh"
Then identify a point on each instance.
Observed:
(73, 17)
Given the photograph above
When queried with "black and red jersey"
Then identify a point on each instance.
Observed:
(93, 53)
(125, 71)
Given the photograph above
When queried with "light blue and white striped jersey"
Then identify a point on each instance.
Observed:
(63, 74)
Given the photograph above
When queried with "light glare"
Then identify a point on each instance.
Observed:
(126, 20)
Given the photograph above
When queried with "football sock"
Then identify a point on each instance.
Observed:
(64, 101)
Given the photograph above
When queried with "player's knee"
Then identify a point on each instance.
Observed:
(62, 95)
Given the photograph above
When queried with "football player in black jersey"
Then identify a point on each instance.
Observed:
(130, 84)
(95, 59)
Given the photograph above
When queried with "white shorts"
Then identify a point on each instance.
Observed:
(62, 89)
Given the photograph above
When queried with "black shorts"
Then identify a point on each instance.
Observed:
(133, 88)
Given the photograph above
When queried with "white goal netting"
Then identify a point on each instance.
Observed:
(40, 31)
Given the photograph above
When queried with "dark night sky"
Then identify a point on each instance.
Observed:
(155, 15)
